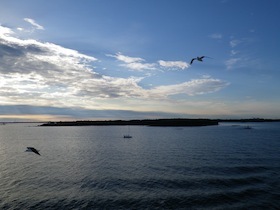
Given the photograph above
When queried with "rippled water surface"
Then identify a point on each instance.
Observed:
(215, 167)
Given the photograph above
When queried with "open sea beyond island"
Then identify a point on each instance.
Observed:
(225, 166)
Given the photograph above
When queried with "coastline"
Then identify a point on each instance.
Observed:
(147, 122)
(157, 122)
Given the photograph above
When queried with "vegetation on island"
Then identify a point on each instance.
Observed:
(157, 122)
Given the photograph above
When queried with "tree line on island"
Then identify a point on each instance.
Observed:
(155, 122)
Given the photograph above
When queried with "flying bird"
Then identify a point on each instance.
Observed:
(32, 149)
(198, 58)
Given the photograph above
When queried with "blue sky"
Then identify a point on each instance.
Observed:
(123, 59)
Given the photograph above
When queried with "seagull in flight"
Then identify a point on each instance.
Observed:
(198, 58)
(32, 149)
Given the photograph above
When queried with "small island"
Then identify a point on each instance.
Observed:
(179, 122)
(158, 122)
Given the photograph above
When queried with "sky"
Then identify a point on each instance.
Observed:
(122, 59)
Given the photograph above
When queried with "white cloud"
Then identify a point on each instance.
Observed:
(133, 63)
(174, 64)
(233, 52)
(231, 62)
(5, 31)
(216, 36)
(239, 56)
(45, 74)
(139, 66)
(234, 43)
(193, 87)
(33, 23)
(126, 59)
(234, 60)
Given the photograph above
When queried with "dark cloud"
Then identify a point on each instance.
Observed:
(9, 50)
(79, 113)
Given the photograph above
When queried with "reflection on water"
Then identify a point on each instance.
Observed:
(160, 167)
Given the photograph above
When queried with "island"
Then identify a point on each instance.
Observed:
(148, 122)
(157, 122)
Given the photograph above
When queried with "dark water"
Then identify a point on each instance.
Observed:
(216, 167)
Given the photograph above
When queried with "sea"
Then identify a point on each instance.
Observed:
(227, 166)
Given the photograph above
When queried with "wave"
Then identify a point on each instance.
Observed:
(192, 188)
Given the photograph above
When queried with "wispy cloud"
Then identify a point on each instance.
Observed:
(174, 64)
(126, 59)
(233, 52)
(193, 87)
(235, 55)
(238, 57)
(230, 63)
(235, 42)
(133, 63)
(139, 64)
(33, 23)
(216, 36)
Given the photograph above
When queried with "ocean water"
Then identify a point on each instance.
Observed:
(213, 167)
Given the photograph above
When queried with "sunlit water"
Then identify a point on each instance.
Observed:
(214, 167)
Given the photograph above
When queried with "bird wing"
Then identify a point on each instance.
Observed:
(192, 61)
(205, 57)
(35, 150)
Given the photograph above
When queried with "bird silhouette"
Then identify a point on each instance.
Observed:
(198, 58)
(32, 149)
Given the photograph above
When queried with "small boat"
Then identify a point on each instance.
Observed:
(127, 136)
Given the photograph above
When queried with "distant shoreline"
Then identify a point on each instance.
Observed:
(147, 122)
(158, 122)
(181, 122)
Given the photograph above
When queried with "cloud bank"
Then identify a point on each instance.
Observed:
(38, 73)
